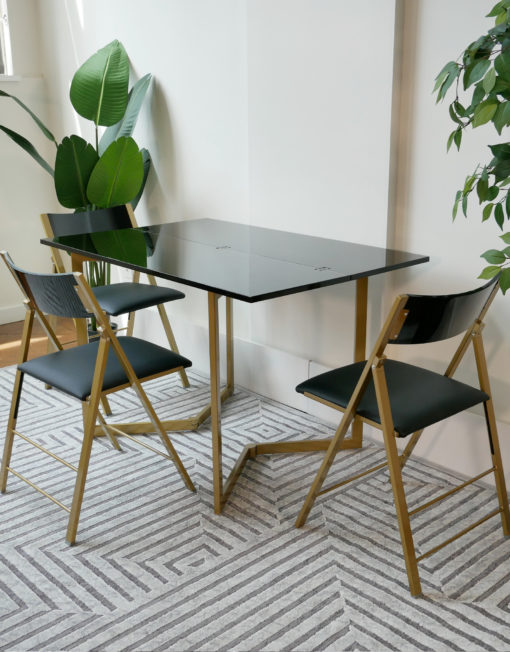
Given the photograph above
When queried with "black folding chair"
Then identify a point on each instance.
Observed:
(86, 372)
(115, 299)
(402, 399)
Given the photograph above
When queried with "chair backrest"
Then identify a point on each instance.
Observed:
(53, 294)
(435, 318)
(99, 220)
(104, 219)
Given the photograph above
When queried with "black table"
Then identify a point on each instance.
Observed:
(247, 263)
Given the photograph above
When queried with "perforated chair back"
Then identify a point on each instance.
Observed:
(435, 318)
(105, 219)
(53, 294)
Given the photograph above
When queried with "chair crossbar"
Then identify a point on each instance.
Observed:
(137, 441)
(459, 534)
(108, 433)
(45, 450)
(351, 479)
(450, 492)
(37, 488)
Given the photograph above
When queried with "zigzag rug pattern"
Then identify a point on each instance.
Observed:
(155, 569)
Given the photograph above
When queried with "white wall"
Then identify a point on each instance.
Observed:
(256, 115)
(27, 190)
(319, 130)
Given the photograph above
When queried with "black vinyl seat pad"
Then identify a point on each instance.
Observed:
(72, 370)
(418, 397)
(121, 298)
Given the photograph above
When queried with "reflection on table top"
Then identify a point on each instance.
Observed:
(245, 262)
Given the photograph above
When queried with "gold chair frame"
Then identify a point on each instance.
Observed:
(90, 407)
(77, 266)
(395, 462)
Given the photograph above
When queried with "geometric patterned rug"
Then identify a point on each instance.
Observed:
(155, 569)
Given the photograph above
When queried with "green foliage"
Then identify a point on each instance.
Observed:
(99, 90)
(118, 175)
(114, 171)
(127, 124)
(28, 147)
(73, 166)
(41, 126)
(481, 81)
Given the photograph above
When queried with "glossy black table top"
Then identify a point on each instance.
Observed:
(237, 260)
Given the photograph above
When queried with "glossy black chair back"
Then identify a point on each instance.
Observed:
(439, 317)
(105, 219)
(403, 399)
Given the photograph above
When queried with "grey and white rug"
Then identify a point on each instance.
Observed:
(155, 569)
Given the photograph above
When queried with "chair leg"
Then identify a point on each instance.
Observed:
(9, 435)
(130, 324)
(172, 342)
(49, 346)
(106, 406)
(323, 471)
(162, 434)
(79, 487)
(492, 431)
(399, 497)
(406, 453)
(497, 462)
(90, 417)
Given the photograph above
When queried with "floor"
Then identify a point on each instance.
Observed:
(10, 339)
(155, 570)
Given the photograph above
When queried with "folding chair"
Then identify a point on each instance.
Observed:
(402, 399)
(86, 372)
(117, 298)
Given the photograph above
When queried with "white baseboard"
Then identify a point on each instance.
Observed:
(9, 314)
(458, 444)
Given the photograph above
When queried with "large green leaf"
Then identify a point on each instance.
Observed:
(502, 116)
(41, 126)
(485, 112)
(99, 89)
(475, 72)
(117, 176)
(74, 163)
(504, 280)
(502, 65)
(501, 151)
(146, 168)
(28, 147)
(126, 126)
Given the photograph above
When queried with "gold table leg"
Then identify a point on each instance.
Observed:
(222, 489)
(214, 359)
(360, 339)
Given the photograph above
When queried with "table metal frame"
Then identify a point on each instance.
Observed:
(222, 488)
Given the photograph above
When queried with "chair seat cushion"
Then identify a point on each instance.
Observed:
(121, 298)
(418, 397)
(72, 370)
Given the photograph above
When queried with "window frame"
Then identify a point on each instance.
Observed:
(6, 67)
